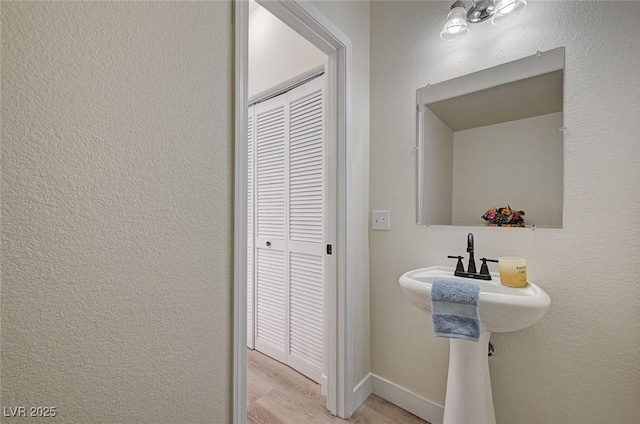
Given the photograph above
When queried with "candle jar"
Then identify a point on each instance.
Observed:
(513, 271)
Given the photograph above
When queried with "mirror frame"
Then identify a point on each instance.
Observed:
(527, 67)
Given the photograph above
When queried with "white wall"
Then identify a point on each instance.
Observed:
(277, 53)
(352, 17)
(579, 363)
(517, 163)
(116, 208)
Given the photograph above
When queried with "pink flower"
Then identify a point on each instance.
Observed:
(491, 215)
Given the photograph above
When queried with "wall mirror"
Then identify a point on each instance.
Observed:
(493, 138)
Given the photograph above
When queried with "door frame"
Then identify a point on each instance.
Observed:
(306, 20)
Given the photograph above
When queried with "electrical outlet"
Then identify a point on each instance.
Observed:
(380, 220)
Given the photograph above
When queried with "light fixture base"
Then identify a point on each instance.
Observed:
(480, 10)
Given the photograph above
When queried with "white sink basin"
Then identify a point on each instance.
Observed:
(501, 308)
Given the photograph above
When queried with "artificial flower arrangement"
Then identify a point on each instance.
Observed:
(504, 217)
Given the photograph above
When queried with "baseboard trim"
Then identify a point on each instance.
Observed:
(323, 384)
(405, 399)
(361, 392)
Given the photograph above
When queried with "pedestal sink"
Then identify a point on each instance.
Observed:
(501, 309)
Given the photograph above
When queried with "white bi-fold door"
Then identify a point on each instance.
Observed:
(287, 251)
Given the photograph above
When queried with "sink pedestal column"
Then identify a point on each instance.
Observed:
(469, 399)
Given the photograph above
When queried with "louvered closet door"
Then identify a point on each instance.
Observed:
(305, 228)
(289, 228)
(270, 216)
(250, 226)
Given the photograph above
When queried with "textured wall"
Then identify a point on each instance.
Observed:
(116, 210)
(580, 363)
(352, 18)
(276, 52)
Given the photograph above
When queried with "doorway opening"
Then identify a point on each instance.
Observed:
(337, 360)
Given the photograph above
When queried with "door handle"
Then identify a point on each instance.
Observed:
(268, 243)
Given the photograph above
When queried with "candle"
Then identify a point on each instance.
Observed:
(513, 271)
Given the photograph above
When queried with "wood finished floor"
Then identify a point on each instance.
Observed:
(279, 395)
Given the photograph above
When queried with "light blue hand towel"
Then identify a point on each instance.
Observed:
(454, 309)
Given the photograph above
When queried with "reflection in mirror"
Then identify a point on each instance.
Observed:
(493, 139)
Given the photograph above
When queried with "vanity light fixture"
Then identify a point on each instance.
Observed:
(500, 11)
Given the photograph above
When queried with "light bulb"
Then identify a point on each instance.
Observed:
(506, 10)
(456, 26)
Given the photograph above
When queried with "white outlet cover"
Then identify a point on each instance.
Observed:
(381, 220)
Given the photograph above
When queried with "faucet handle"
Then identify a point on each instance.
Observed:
(459, 265)
(484, 269)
